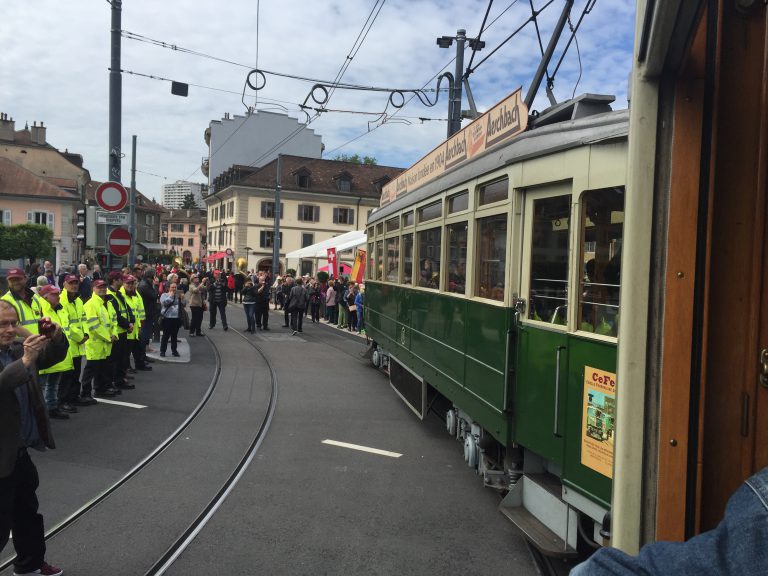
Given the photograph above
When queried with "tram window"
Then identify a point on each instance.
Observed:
(379, 260)
(493, 192)
(491, 257)
(370, 232)
(429, 258)
(602, 227)
(380, 228)
(407, 219)
(457, 257)
(393, 258)
(430, 212)
(392, 224)
(458, 202)
(408, 259)
(371, 262)
(549, 260)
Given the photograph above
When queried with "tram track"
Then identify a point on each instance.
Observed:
(182, 542)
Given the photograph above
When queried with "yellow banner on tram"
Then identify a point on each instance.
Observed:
(505, 120)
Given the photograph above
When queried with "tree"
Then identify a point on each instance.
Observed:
(189, 202)
(355, 158)
(31, 241)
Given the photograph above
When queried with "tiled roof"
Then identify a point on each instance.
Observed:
(142, 202)
(66, 183)
(323, 176)
(18, 181)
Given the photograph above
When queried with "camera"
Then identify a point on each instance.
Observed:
(45, 327)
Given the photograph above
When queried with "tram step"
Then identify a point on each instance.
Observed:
(534, 505)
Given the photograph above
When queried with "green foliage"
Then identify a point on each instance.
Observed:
(367, 160)
(30, 241)
(189, 202)
(322, 276)
(291, 272)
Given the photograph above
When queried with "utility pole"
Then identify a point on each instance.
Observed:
(115, 94)
(276, 239)
(132, 205)
(454, 110)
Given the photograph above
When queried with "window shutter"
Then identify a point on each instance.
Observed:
(263, 209)
(316, 211)
(335, 215)
(7, 217)
(50, 220)
(351, 215)
(281, 210)
(30, 217)
(301, 213)
(262, 239)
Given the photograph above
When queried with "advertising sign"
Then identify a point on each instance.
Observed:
(505, 120)
(598, 420)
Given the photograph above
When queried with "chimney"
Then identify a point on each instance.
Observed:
(7, 128)
(38, 133)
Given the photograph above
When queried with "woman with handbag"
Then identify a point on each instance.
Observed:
(197, 296)
(171, 309)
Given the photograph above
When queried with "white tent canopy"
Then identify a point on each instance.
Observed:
(341, 242)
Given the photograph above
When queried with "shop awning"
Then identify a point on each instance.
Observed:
(215, 256)
(320, 249)
(152, 246)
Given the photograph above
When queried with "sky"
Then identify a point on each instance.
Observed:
(55, 58)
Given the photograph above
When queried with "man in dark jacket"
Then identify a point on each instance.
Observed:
(24, 424)
(262, 289)
(149, 298)
(217, 301)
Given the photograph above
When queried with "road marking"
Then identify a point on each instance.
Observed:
(116, 403)
(362, 448)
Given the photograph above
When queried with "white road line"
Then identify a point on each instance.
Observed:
(363, 448)
(116, 403)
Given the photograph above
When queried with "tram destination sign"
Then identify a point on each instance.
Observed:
(505, 120)
(112, 218)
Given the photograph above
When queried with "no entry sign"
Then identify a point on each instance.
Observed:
(119, 242)
(111, 196)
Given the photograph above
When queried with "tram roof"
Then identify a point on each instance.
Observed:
(534, 143)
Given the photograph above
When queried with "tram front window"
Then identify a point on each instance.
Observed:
(602, 226)
(491, 257)
(429, 258)
(379, 260)
(549, 260)
(457, 257)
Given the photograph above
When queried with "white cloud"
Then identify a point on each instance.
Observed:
(55, 56)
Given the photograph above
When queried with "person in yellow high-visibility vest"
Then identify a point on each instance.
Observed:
(69, 389)
(96, 378)
(136, 305)
(123, 326)
(49, 378)
(21, 298)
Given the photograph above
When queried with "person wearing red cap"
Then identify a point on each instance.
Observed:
(50, 377)
(97, 377)
(21, 298)
(77, 334)
(136, 305)
(124, 323)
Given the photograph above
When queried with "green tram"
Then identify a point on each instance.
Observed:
(492, 297)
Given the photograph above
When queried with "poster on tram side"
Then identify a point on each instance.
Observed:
(598, 420)
(358, 268)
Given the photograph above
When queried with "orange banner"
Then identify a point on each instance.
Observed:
(358, 268)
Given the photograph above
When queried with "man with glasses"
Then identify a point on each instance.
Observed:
(21, 298)
(24, 424)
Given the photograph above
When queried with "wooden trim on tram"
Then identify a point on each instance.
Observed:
(677, 344)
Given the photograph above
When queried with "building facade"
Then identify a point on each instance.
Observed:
(173, 195)
(184, 235)
(256, 140)
(319, 199)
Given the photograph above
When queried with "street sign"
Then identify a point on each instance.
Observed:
(112, 218)
(111, 196)
(119, 242)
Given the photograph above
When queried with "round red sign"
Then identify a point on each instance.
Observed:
(111, 196)
(119, 242)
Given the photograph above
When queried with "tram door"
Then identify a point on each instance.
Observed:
(543, 349)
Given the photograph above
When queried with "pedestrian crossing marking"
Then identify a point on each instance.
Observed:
(362, 448)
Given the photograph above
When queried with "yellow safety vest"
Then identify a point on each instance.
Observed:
(28, 316)
(136, 306)
(59, 317)
(122, 307)
(99, 323)
(78, 325)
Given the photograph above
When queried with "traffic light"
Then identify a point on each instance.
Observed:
(86, 226)
(81, 227)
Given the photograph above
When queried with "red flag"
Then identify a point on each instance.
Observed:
(332, 264)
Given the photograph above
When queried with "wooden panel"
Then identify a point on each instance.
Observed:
(678, 305)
